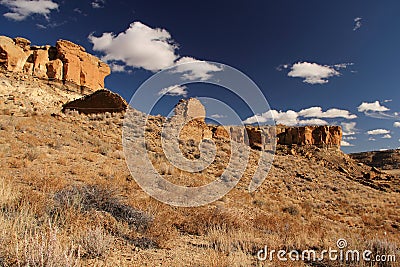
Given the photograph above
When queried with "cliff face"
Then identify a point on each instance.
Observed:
(193, 113)
(67, 62)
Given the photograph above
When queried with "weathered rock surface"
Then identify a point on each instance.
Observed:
(12, 56)
(190, 116)
(320, 136)
(80, 67)
(66, 62)
(100, 101)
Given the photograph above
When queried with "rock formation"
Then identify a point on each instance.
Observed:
(192, 112)
(320, 136)
(100, 101)
(190, 116)
(66, 62)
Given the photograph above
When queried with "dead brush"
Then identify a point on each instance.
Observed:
(95, 197)
(45, 248)
(204, 220)
(96, 242)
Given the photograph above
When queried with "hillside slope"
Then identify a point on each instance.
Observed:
(68, 199)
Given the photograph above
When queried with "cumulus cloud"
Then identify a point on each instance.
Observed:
(387, 136)
(202, 70)
(174, 90)
(349, 128)
(153, 49)
(330, 113)
(345, 143)
(217, 116)
(357, 23)
(378, 132)
(377, 110)
(374, 107)
(312, 73)
(139, 46)
(371, 139)
(312, 122)
(313, 116)
(21, 9)
(98, 3)
(396, 124)
(349, 138)
(115, 67)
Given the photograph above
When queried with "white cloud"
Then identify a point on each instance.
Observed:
(291, 118)
(98, 3)
(374, 106)
(349, 138)
(345, 143)
(281, 117)
(217, 116)
(387, 100)
(343, 65)
(174, 90)
(312, 73)
(330, 113)
(312, 122)
(115, 67)
(396, 124)
(151, 49)
(387, 136)
(357, 24)
(378, 132)
(371, 139)
(21, 9)
(139, 46)
(348, 128)
(202, 70)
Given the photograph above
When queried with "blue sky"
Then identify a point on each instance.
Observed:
(334, 62)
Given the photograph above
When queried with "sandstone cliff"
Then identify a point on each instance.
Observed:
(192, 113)
(66, 62)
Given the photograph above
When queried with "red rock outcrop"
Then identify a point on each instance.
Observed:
(67, 62)
(192, 112)
(100, 101)
(190, 115)
(320, 136)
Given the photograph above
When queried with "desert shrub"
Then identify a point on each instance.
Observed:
(204, 220)
(292, 210)
(46, 249)
(144, 243)
(96, 242)
(383, 247)
(95, 197)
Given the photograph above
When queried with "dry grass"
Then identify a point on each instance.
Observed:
(67, 198)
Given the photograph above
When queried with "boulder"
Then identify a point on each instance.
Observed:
(100, 101)
(12, 56)
(190, 109)
(23, 43)
(189, 114)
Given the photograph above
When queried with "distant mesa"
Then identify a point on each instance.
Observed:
(192, 113)
(66, 62)
(100, 101)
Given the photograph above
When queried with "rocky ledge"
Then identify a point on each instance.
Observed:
(66, 62)
(192, 113)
